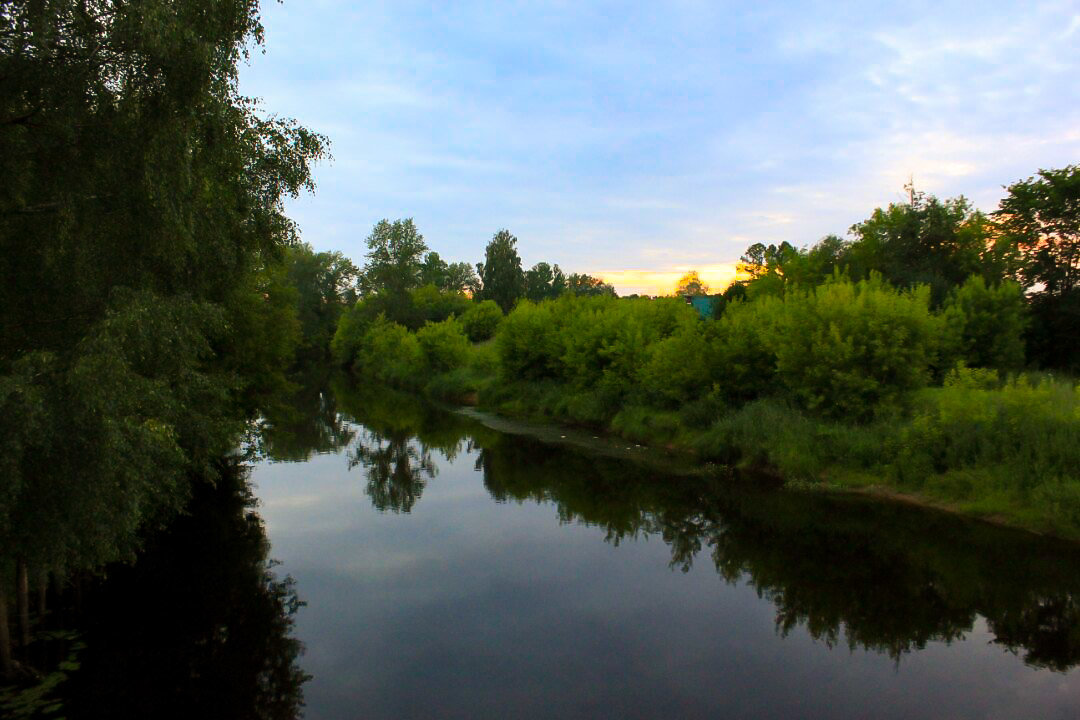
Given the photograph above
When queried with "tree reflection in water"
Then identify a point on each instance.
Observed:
(851, 570)
(396, 471)
(303, 424)
(197, 627)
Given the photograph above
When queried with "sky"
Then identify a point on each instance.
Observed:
(635, 141)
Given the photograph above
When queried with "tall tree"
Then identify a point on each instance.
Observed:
(325, 285)
(395, 258)
(1041, 217)
(500, 274)
(929, 241)
(1039, 220)
(141, 215)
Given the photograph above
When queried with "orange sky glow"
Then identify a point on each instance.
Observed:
(662, 282)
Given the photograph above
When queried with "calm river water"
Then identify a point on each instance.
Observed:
(454, 571)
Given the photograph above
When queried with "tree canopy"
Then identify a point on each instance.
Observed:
(501, 278)
(142, 234)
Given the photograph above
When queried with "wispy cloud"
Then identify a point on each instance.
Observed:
(642, 138)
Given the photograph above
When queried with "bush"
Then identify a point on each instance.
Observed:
(743, 361)
(677, 368)
(984, 326)
(1026, 432)
(444, 345)
(528, 343)
(850, 350)
(481, 320)
(431, 305)
(389, 352)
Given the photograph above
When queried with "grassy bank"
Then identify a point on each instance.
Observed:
(845, 388)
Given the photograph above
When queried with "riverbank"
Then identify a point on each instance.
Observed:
(1003, 451)
(854, 386)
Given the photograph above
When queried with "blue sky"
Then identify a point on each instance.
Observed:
(636, 141)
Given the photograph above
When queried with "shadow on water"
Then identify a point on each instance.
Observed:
(198, 627)
(854, 571)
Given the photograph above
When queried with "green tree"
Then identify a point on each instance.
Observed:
(581, 284)
(395, 259)
(940, 243)
(1039, 228)
(325, 286)
(1041, 217)
(141, 218)
(539, 281)
(500, 274)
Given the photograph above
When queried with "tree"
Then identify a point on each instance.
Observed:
(500, 274)
(141, 219)
(324, 284)
(582, 284)
(544, 282)
(1041, 217)
(461, 278)
(395, 259)
(1039, 227)
(940, 243)
(691, 284)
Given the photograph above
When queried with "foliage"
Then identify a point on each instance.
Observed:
(389, 352)
(581, 284)
(743, 361)
(444, 345)
(1053, 337)
(481, 320)
(453, 278)
(938, 243)
(429, 304)
(1041, 217)
(544, 282)
(528, 342)
(691, 284)
(846, 350)
(985, 325)
(139, 182)
(324, 287)
(500, 274)
(394, 258)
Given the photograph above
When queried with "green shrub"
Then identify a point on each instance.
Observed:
(984, 326)
(444, 345)
(743, 363)
(528, 342)
(348, 337)
(481, 320)
(389, 352)
(848, 350)
(677, 368)
(431, 305)
(1026, 432)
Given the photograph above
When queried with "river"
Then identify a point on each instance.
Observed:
(437, 565)
(452, 570)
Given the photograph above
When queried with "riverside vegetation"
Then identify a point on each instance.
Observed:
(156, 299)
(929, 354)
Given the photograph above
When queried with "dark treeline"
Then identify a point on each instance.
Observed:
(152, 291)
(822, 560)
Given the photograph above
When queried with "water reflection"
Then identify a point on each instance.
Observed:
(198, 627)
(852, 571)
(303, 424)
